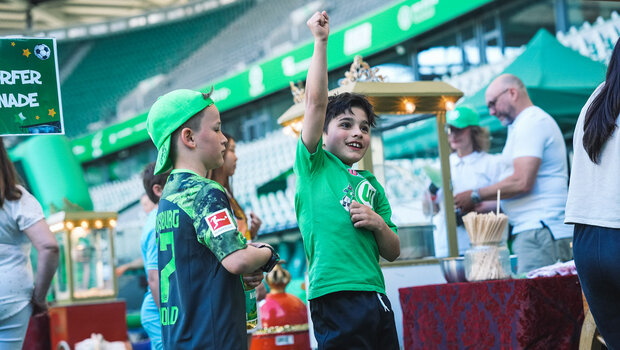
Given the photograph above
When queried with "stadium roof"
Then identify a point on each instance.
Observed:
(28, 16)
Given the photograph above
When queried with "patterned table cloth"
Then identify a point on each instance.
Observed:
(539, 313)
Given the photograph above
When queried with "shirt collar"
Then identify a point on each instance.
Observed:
(468, 159)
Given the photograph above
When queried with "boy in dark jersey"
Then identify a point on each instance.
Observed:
(343, 214)
(201, 253)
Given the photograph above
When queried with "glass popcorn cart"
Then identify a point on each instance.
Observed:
(86, 267)
(85, 286)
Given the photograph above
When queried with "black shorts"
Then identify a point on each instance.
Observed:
(354, 320)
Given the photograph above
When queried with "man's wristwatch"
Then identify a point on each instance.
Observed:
(475, 196)
(273, 260)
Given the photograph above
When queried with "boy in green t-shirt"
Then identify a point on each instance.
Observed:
(201, 253)
(343, 214)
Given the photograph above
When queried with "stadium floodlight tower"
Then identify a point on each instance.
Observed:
(423, 99)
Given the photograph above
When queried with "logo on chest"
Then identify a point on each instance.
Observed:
(220, 222)
(364, 193)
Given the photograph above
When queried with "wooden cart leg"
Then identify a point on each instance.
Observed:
(590, 339)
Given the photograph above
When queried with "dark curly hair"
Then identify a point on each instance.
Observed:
(344, 102)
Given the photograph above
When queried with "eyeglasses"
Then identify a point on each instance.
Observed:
(451, 130)
(492, 103)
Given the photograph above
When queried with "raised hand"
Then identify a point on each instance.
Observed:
(319, 25)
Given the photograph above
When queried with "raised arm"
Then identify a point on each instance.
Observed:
(316, 83)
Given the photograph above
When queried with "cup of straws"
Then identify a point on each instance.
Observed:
(488, 258)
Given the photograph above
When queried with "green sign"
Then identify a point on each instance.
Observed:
(381, 30)
(29, 87)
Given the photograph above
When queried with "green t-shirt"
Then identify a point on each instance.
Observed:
(341, 257)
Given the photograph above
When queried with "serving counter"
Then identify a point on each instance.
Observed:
(540, 313)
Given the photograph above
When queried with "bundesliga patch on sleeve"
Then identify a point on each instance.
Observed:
(220, 222)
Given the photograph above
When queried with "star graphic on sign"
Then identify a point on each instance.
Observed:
(12, 43)
(37, 117)
(26, 52)
(51, 112)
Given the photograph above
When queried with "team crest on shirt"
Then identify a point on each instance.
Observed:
(220, 222)
(365, 193)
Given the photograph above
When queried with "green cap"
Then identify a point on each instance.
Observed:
(462, 117)
(167, 114)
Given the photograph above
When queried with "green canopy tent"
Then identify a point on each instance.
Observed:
(558, 79)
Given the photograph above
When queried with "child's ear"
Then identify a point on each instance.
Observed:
(187, 137)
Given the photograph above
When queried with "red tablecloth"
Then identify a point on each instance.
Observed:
(540, 313)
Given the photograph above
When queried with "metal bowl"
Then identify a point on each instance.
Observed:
(453, 269)
(416, 241)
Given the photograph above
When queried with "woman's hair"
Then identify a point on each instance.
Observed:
(600, 119)
(480, 138)
(217, 174)
(8, 177)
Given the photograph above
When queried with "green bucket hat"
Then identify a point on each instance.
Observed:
(167, 114)
(462, 117)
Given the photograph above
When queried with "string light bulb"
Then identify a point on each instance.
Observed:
(409, 107)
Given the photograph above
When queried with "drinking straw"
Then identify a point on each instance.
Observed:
(498, 192)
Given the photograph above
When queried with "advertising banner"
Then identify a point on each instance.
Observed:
(29, 87)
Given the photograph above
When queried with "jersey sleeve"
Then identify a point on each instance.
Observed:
(305, 162)
(215, 224)
(151, 251)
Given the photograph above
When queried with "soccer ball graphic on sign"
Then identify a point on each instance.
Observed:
(42, 51)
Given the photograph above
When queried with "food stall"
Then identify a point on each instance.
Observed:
(502, 312)
(85, 286)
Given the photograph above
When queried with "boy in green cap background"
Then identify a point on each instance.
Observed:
(343, 215)
(201, 252)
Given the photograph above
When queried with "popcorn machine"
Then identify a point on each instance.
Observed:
(86, 267)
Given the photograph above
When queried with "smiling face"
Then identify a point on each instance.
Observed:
(210, 142)
(348, 136)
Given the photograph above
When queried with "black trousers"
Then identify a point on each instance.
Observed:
(354, 320)
(597, 258)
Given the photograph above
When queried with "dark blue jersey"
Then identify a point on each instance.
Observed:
(202, 305)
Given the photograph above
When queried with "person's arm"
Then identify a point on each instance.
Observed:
(316, 83)
(248, 260)
(45, 243)
(520, 182)
(153, 280)
(364, 217)
(132, 265)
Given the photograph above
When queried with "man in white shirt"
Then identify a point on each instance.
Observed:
(534, 189)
